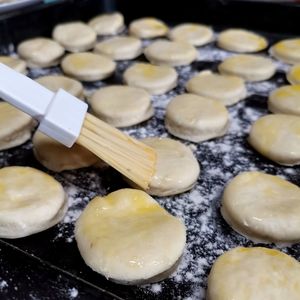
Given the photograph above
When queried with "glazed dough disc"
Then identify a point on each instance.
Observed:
(120, 47)
(194, 118)
(262, 207)
(154, 79)
(122, 106)
(148, 28)
(107, 24)
(249, 67)
(195, 34)
(57, 157)
(293, 75)
(224, 88)
(15, 126)
(168, 53)
(14, 63)
(87, 66)
(240, 40)
(278, 138)
(40, 52)
(75, 36)
(254, 274)
(125, 236)
(287, 50)
(285, 100)
(30, 201)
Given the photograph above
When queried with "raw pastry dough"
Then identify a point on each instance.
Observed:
(125, 236)
(195, 118)
(249, 67)
(262, 207)
(293, 75)
(254, 274)
(30, 201)
(14, 63)
(278, 138)
(121, 105)
(154, 79)
(226, 89)
(240, 40)
(87, 66)
(40, 52)
(287, 50)
(168, 53)
(75, 36)
(107, 24)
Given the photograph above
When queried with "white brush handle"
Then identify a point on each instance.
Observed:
(60, 114)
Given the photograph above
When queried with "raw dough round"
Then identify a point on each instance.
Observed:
(30, 201)
(226, 89)
(194, 118)
(287, 50)
(122, 106)
(168, 53)
(14, 63)
(125, 236)
(15, 126)
(107, 24)
(278, 138)
(154, 79)
(263, 208)
(75, 36)
(293, 75)
(240, 40)
(192, 33)
(87, 66)
(40, 52)
(120, 47)
(57, 157)
(249, 67)
(285, 100)
(148, 28)
(254, 274)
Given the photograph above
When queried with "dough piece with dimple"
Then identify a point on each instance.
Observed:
(40, 52)
(192, 33)
(287, 50)
(224, 88)
(15, 126)
(148, 28)
(263, 208)
(293, 75)
(14, 63)
(285, 100)
(87, 66)
(120, 48)
(107, 24)
(125, 236)
(249, 67)
(169, 53)
(197, 119)
(240, 40)
(278, 138)
(57, 157)
(30, 201)
(154, 79)
(254, 274)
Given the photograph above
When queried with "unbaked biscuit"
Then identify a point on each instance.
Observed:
(107, 24)
(14, 63)
(293, 75)
(287, 50)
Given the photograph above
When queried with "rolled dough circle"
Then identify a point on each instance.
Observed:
(107, 24)
(14, 63)
(287, 51)
(293, 75)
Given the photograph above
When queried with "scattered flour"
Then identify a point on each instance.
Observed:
(73, 293)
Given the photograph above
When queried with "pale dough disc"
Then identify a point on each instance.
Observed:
(30, 201)
(122, 106)
(14, 63)
(107, 24)
(287, 50)
(120, 47)
(224, 88)
(194, 34)
(278, 138)
(154, 79)
(40, 52)
(169, 53)
(15, 126)
(57, 157)
(88, 66)
(293, 75)
(148, 28)
(194, 118)
(240, 40)
(285, 100)
(249, 67)
(125, 236)
(254, 274)
(263, 208)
